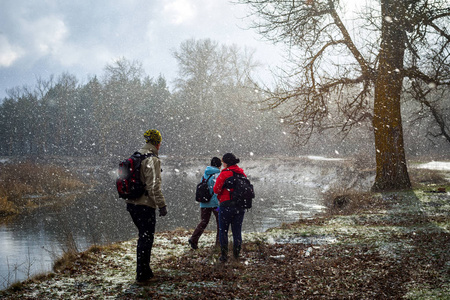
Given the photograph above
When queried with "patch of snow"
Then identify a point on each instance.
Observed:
(32, 196)
(436, 165)
(278, 257)
(308, 252)
(313, 206)
(298, 239)
(313, 157)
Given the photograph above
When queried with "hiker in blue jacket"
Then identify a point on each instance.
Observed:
(209, 207)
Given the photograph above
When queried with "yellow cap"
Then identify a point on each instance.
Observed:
(153, 136)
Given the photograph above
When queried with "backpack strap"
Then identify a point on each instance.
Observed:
(147, 155)
(207, 181)
(235, 174)
(208, 177)
(144, 156)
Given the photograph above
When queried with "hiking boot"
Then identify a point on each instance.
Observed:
(145, 278)
(193, 245)
(224, 256)
(236, 251)
(146, 281)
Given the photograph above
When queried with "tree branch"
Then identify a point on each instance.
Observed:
(366, 70)
(414, 73)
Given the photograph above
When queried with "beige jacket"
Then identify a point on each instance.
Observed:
(151, 176)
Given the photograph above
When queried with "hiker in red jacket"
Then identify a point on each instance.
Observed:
(229, 212)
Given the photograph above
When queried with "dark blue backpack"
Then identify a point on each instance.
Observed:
(202, 193)
(243, 192)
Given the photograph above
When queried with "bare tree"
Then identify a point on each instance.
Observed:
(210, 106)
(351, 70)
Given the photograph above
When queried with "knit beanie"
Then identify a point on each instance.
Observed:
(215, 162)
(230, 159)
(152, 136)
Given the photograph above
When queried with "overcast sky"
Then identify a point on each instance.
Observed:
(39, 38)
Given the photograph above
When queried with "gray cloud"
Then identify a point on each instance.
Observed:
(41, 38)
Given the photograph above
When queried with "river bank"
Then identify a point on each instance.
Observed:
(287, 189)
(389, 246)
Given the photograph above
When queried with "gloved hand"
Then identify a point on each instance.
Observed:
(163, 211)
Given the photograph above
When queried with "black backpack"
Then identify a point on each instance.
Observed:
(202, 193)
(128, 182)
(243, 192)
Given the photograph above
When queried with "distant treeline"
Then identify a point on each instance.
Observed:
(208, 113)
(111, 117)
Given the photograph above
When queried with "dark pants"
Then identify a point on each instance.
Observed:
(145, 219)
(205, 216)
(233, 216)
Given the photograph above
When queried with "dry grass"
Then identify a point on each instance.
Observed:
(346, 202)
(22, 182)
(71, 261)
(7, 207)
(423, 177)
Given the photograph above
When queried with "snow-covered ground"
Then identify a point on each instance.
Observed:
(435, 165)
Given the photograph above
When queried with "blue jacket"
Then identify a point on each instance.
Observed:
(214, 202)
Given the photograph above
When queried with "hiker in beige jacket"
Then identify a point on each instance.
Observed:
(143, 209)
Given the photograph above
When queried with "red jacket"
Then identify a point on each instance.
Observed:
(224, 194)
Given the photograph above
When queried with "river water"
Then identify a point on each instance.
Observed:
(31, 242)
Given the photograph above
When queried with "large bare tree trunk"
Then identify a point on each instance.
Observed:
(392, 172)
